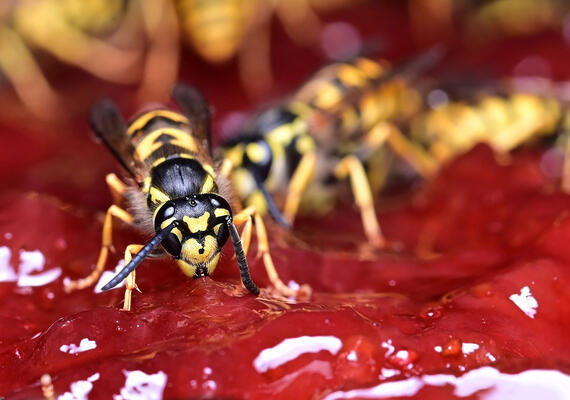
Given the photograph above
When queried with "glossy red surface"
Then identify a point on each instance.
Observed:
(494, 291)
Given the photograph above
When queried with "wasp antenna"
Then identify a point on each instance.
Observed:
(140, 256)
(271, 206)
(241, 259)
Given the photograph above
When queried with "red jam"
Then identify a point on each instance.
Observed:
(473, 298)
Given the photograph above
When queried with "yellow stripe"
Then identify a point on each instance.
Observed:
(160, 160)
(198, 224)
(208, 184)
(180, 138)
(256, 152)
(166, 222)
(327, 96)
(219, 212)
(146, 185)
(351, 76)
(157, 195)
(371, 68)
(209, 169)
(143, 119)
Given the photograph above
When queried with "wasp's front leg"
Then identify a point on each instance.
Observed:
(298, 184)
(352, 167)
(130, 281)
(245, 217)
(117, 188)
(387, 133)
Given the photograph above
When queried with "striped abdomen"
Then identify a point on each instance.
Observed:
(347, 98)
(163, 141)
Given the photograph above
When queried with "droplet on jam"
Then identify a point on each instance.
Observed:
(451, 348)
(482, 290)
(431, 311)
(403, 358)
(46, 298)
(357, 359)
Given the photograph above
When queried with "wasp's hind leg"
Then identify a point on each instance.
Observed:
(387, 133)
(117, 189)
(352, 167)
(245, 217)
(299, 181)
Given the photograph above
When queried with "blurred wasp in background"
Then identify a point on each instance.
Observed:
(505, 115)
(222, 29)
(138, 42)
(342, 120)
(91, 35)
(477, 21)
(176, 193)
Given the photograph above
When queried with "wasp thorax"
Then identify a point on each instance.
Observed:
(200, 234)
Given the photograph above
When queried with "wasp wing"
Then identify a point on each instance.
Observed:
(108, 124)
(196, 109)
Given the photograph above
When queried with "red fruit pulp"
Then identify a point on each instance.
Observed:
(485, 305)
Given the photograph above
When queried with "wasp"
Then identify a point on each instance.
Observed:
(220, 30)
(504, 120)
(334, 124)
(476, 21)
(177, 194)
(79, 33)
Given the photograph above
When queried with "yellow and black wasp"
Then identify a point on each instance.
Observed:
(502, 116)
(343, 117)
(220, 30)
(96, 36)
(177, 193)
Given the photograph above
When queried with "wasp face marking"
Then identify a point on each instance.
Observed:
(201, 233)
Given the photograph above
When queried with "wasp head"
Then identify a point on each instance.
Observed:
(200, 233)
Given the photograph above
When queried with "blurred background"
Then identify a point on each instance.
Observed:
(59, 56)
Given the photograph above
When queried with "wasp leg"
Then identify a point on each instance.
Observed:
(418, 158)
(74, 46)
(296, 13)
(299, 181)
(130, 281)
(116, 187)
(352, 167)
(23, 72)
(245, 216)
(226, 168)
(47, 387)
(113, 211)
(163, 55)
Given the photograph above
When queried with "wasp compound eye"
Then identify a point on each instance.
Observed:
(172, 245)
